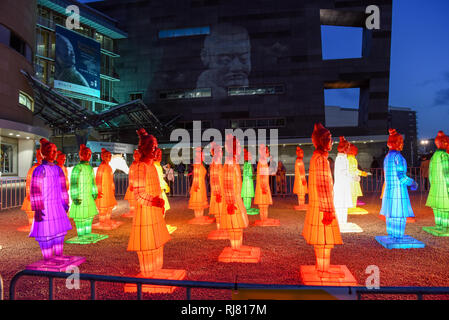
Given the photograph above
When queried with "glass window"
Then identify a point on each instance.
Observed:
(7, 158)
(185, 32)
(5, 35)
(185, 94)
(259, 90)
(26, 101)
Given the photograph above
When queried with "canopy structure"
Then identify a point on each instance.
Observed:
(61, 113)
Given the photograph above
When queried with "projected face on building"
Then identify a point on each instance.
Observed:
(66, 62)
(227, 56)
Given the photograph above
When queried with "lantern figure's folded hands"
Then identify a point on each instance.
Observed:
(231, 208)
(38, 215)
(327, 218)
(100, 195)
(414, 186)
(218, 197)
(157, 202)
(77, 201)
(65, 206)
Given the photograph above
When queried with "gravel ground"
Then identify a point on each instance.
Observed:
(283, 250)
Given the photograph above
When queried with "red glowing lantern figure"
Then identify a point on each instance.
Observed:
(50, 203)
(84, 192)
(129, 195)
(356, 190)
(248, 183)
(60, 161)
(234, 218)
(106, 194)
(216, 206)
(300, 184)
(26, 205)
(164, 186)
(263, 193)
(343, 187)
(396, 206)
(321, 226)
(149, 232)
(438, 198)
(198, 194)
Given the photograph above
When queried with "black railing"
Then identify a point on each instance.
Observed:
(189, 285)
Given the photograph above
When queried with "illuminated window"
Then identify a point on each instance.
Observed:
(256, 90)
(26, 101)
(185, 94)
(185, 32)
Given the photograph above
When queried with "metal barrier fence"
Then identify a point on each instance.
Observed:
(189, 285)
(12, 190)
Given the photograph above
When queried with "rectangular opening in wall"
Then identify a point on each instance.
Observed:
(342, 107)
(341, 42)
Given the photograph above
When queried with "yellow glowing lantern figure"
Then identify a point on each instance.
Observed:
(356, 190)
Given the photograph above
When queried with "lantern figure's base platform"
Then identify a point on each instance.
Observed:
(437, 231)
(171, 229)
(166, 274)
(245, 254)
(349, 227)
(252, 211)
(310, 277)
(56, 264)
(26, 228)
(107, 225)
(88, 238)
(201, 220)
(357, 210)
(269, 222)
(409, 219)
(129, 214)
(406, 242)
(301, 208)
(218, 234)
(360, 203)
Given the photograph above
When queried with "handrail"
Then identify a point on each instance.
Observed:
(92, 278)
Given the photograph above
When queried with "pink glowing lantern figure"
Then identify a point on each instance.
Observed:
(216, 186)
(321, 226)
(164, 186)
(26, 205)
(263, 193)
(234, 218)
(149, 232)
(129, 195)
(50, 203)
(300, 185)
(106, 194)
(342, 188)
(198, 193)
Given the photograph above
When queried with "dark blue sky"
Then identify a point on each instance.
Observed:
(419, 75)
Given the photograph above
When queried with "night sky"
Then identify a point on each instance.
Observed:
(419, 76)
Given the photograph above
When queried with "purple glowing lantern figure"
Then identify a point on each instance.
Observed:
(396, 206)
(50, 203)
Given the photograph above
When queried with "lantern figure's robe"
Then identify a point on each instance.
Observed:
(83, 187)
(299, 188)
(198, 198)
(106, 186)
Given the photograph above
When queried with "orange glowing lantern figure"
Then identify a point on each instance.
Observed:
(321, 226)
(216, 186)
(263, 193)
(300, 185)
(198, 193)
(149, 232)
(356, 190)
(50, 203)
(129, 195)
(60, 160)
(26, 205)
(106, 194)
(164, 186)
(234, 218)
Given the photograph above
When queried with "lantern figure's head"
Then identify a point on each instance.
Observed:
(321, 138)
(158, 155)
(48, 150)
(60, 158)
(199, 156)
(441, 140)
(105, 155)
(264, 152)
(216, 152)
(395, 140)
(232, 146)
(353, 150)
(247, 155)
(38, 156)
(299, 152)
(136, 155)
(147, 145)
(85, 153)
(343, 145)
